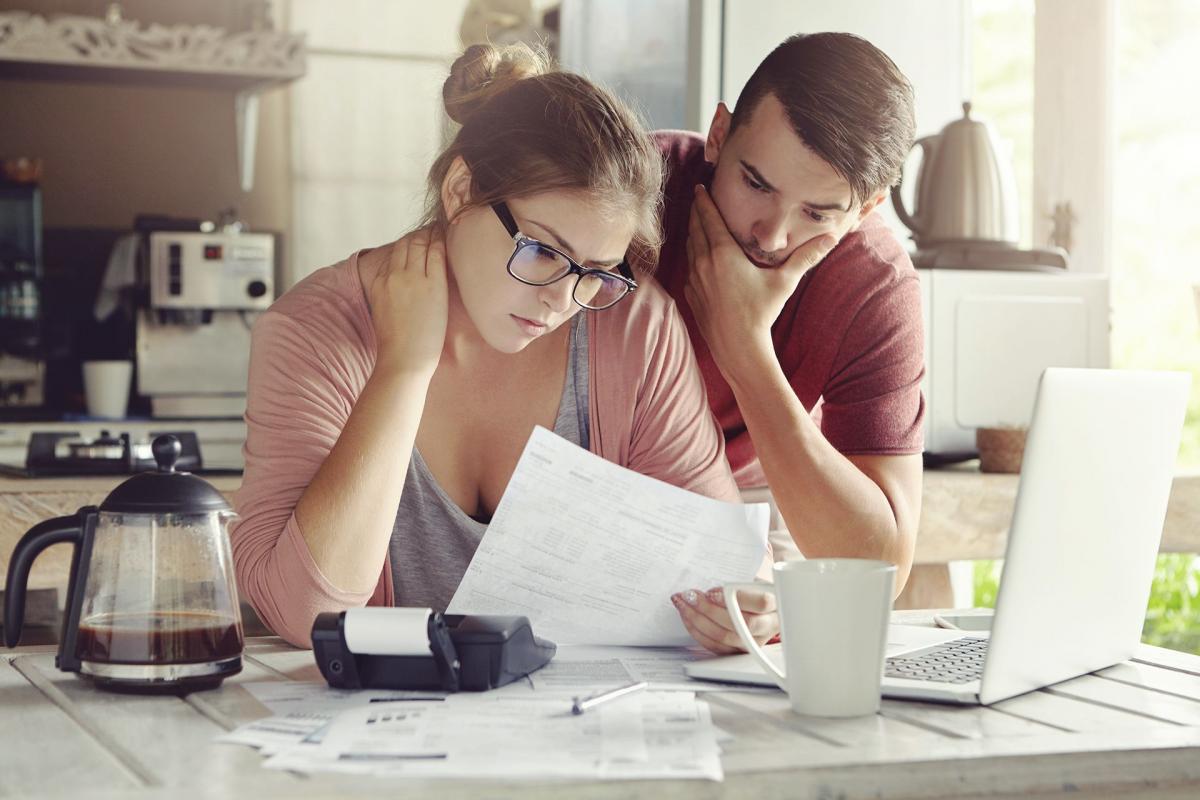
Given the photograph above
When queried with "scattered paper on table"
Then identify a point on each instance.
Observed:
(296, 697)
(302, 710)
(648, 735)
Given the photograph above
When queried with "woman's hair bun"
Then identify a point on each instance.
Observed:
(485, 70)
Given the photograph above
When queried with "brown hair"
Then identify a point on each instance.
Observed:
(528, 128)
(845, 99)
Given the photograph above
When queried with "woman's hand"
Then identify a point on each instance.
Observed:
(408, 301)
(707, 619)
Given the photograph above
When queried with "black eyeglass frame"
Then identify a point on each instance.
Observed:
(521, 241)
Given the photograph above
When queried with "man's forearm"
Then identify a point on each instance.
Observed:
(829, 505)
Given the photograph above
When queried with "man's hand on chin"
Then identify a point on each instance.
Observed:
(734, 301)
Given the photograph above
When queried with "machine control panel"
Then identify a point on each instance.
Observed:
(231, 271)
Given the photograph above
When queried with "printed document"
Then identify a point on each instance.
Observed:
(592, 552)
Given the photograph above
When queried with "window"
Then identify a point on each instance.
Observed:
(1156, 239)
(1155, 230)
(1001, 88)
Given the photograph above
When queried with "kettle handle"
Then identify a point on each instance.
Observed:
(926, 143)
(37, 539)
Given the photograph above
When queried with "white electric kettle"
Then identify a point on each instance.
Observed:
(965, 191)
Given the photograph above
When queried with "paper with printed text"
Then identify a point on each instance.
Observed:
(591, 552)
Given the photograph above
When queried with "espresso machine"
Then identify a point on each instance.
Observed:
(22, 368)
(193, 333)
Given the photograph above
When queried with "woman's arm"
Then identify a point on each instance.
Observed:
(347, 512)
(325, 465)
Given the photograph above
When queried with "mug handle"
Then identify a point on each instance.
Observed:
(743, 631)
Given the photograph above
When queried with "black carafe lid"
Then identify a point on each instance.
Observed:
(164, 491)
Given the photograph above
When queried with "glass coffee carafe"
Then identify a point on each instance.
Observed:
(152, 603)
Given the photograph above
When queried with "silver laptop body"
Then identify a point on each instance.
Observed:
(1095, 479)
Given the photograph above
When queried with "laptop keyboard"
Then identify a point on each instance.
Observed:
(959, 661)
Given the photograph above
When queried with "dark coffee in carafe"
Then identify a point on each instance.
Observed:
(152, 601)
(163, 637)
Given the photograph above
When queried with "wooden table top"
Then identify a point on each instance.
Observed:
(1130, 730)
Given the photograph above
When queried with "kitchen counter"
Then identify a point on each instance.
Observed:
(965, 516)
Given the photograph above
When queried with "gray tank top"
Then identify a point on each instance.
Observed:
(433, 540)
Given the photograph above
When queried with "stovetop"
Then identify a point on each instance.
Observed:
(110, 453)
(219, 443)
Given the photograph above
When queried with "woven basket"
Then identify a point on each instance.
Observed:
(1000, 449)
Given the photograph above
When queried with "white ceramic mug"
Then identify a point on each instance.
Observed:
(106, 384)
(833, 615)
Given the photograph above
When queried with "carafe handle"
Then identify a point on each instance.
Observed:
(912, 221)
(37, 539)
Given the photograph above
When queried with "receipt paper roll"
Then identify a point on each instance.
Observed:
(387, 631)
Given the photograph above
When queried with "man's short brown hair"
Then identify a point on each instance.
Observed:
(846, 100)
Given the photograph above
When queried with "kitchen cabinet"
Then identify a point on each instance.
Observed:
(93, 50)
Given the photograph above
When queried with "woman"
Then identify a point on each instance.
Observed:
(391, 395)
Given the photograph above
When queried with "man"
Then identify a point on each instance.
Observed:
(803, 307)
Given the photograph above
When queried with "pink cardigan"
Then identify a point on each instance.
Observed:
(311, 355)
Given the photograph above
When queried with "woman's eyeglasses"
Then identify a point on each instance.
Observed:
(538, 264)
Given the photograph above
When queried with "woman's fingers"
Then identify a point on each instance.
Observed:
(753, 602)
(710, 624)
(418, 249)
(409, 302)
(706, 632)
(435, 256)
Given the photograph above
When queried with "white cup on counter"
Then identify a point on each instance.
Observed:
(833, 616)
(106, 384)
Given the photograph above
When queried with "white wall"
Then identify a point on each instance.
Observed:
(638, 47)
(366, 122)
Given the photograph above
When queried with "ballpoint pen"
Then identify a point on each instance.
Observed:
(582, 704)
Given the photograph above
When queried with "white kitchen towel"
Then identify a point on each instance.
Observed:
(119, 276)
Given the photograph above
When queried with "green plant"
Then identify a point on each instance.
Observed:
(1173, 615)
(987, 582)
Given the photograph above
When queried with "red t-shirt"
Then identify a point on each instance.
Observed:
(850, 336)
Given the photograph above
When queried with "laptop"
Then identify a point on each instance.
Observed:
(1095, 479)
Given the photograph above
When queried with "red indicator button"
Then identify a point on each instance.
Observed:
(212, 252)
